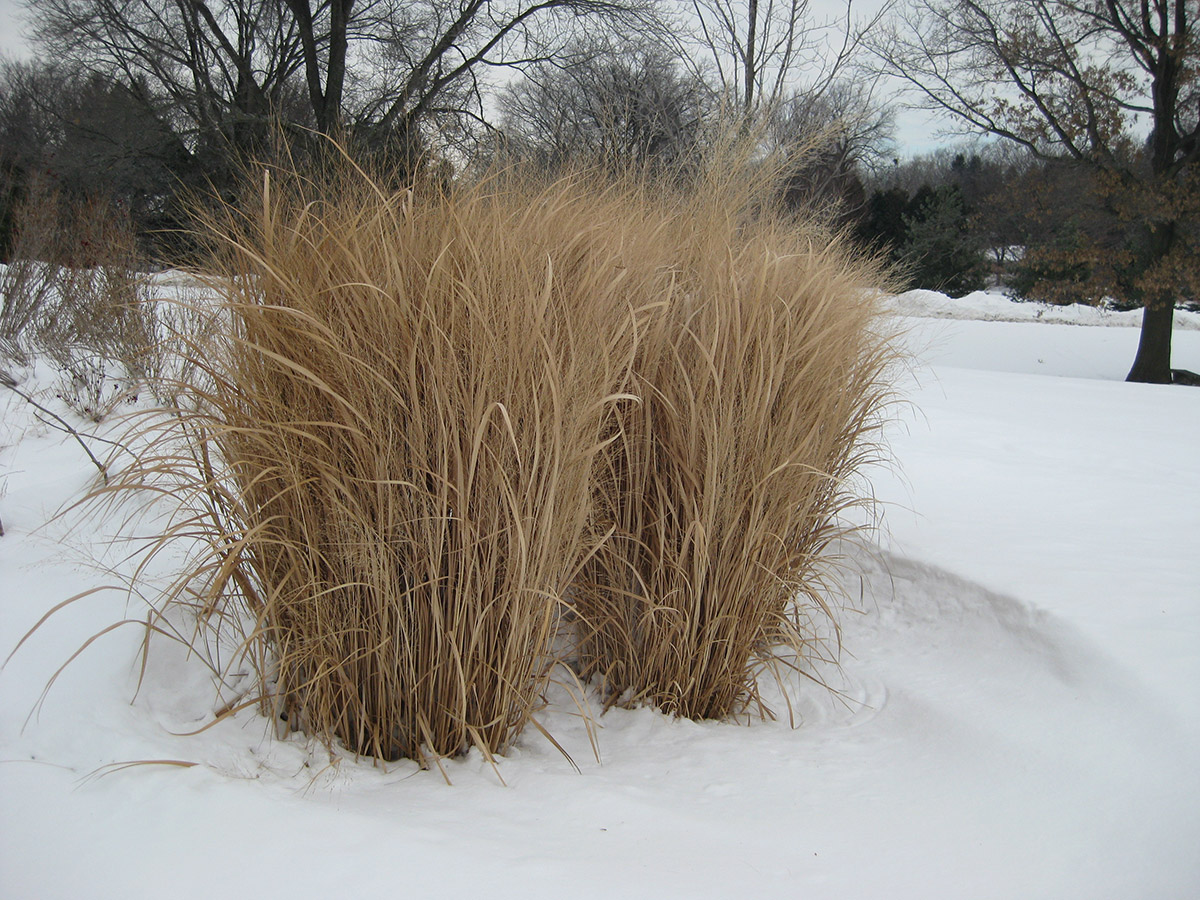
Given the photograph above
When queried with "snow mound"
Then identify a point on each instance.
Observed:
(994, 306)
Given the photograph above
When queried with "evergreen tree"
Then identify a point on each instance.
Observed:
(940, 250)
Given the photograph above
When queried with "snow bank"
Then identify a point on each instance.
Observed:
(1018, 712)
(994, 306)
(988, 332)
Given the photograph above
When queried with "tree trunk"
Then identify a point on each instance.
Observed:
(1153, 362)
(750, 63)
(340, 12)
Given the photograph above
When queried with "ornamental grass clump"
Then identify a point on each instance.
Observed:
(760, 380)
(383, 459)
(431, 442)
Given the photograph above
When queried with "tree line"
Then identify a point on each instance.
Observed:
(1089, 190)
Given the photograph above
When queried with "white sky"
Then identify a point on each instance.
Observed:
(916, 131)
(12, 42)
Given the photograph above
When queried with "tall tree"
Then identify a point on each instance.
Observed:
(1071, 79)
(377, 64)
(759, 51)
(831, 137)
(626, 103)
(223, 64)
(85, 137)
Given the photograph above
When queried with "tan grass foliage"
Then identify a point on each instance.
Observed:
(388, 465)
(442, 421)
(761, 379)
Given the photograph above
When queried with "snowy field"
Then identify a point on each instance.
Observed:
(1019, 713)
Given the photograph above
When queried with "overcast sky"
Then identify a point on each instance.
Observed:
(11, 26)
(916, 132)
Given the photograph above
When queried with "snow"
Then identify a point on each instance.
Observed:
(1019, 713)
(995, 306)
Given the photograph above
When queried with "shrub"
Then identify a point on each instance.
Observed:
(1058, 271)
(74, 291)
(28, 281)
(759, 381)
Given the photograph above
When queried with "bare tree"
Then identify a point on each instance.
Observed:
(1073, 79)
(621, 102)
(379, 64)
(757, 51)
(85, 136)
(834, 134)
(222, 63)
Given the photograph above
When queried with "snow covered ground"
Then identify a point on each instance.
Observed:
(1020, 709)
